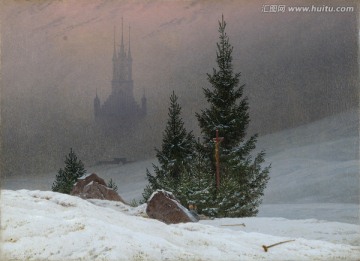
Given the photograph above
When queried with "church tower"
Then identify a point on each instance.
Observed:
(120, 107)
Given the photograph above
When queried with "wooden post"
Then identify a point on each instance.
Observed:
(217, 140)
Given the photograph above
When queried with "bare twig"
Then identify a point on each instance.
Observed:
(267, 247)
(233, 225)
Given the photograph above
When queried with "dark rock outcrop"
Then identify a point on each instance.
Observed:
(94, 187)
(163, 206)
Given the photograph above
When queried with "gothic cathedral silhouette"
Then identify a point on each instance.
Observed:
(120, 109)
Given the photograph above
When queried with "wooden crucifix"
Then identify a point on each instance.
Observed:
(217, 140)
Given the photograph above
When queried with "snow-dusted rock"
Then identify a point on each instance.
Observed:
(94, 187)
(163, 206)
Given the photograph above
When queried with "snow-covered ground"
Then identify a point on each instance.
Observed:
(313, 194)
(43, 225)
(315, 163)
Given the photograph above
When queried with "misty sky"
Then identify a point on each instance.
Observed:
(297, 67)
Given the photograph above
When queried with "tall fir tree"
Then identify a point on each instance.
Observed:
(243, 179)
(67, 177)
(177, 151)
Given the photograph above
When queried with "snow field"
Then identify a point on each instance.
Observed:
(42, 225)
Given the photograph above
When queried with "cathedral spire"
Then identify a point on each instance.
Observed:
(97, 105)
(122, 48)
(122, 31)
(129, 52)
(129, 59)
(115, 62)
(114, 54)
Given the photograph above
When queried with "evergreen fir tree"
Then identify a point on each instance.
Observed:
(111, 184)
(175, 155)
(67, 177)
(242, 178)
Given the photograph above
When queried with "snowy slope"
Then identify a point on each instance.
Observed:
(42, 225)
(315, 163)
(315, 170)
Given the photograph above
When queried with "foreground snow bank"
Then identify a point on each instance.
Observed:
(42, 225)
(334, 232)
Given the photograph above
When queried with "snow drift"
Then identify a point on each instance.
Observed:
(40, 225)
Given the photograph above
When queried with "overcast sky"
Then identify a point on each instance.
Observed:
(297, 67)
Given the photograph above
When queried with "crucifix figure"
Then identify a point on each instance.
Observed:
(217, 140)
